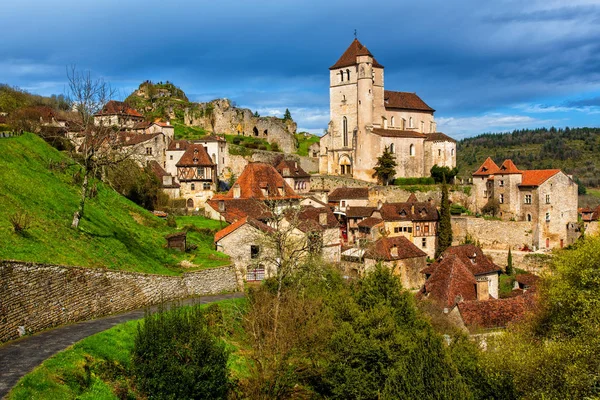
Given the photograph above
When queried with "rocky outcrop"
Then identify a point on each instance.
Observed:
(222, 117)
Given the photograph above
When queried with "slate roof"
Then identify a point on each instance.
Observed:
(114, 107)
(496, 313)
(195, 156)
(308, 219)
(295, 170)
(439, 137)
(398, 133)
(405, 101)
(160, 173)
(530, 280)
(236, 209)
(488, 167)
(355, 49)
(347, 193)
(382, 249)
(413, 211)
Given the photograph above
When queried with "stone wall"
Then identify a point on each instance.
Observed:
(493, 234)
(34, 297)
(531, 262)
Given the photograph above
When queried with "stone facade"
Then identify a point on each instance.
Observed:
(231, 120)
(40, 296)
(366, 119)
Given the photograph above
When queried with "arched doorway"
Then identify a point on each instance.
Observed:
(190, 203)
(345, 165)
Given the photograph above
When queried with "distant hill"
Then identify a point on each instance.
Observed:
(574, 150)
(115, 233)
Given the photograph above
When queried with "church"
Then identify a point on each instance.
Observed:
(365, 119)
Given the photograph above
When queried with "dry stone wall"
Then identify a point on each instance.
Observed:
(493, 234)
(34, 297)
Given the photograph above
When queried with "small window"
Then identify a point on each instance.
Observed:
(501, 199)
(424, 242)
(547, 199)
(149, 151)
(547, 217)
(171, 157)
(193, 186)
(527, 199)
(392, 148)
(392, 121)
(348, 73)
(426, 229)
(396, 229)
(342, 76)
(409, 229)
(439, 153)
(410, 123)
(254, 251)
(206, 186)
(501, 183)
(529, 217)
(343, 203)
(452, 152)
(412, 150)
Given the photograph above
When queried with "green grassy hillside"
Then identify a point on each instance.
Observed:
(114, 233)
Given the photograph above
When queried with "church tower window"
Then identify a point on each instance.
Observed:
(345, 131)
(392, 121)
(412, 150)
(348, 72)
(342, 76)
(410, 123)
(392, 148)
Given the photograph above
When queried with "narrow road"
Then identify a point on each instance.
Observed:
(19, 357)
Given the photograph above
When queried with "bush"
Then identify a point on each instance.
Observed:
(438, 173)
(237, 140)
(262, 147)
(21, 222)
(413, 181)
(275, 147)
(457, 209)
(171, 221)
(175, 356)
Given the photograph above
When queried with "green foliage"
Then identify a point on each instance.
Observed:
(457, 209)
(274, 147)
(385, 169)
(188, 132)
(256, 114)
(115, 233)
(414, 181)
(21, 222)
(440, 174)
(287, 116)
(139, 185)
(176, 356)
(304, 140)
(445, 225)
(491, 207)
(509, 263)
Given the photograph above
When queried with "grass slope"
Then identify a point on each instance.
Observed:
(97, 367)
(114, 233)
(305, 140)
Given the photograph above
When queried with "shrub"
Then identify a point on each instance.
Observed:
(275, 147)
(413, 181)
(237, 140)
(262, 147)
(21, 222)
(175, 356)
(171, 221)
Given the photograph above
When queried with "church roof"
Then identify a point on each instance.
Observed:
(355, 49)
(398, 133)
(405, 101)
(488, 167)
(439, 137)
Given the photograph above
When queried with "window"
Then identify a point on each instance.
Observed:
(348, 73)
(410, 123)
(527, 199)
(409, 229)
(426, 229)
(254, 251)
(396, 229)
(345, 131)
(501, 199)
(452, 152)
(529, 217)
(171, 157)
(411, 150)
(392, 121)
(193, 186)
(547, 199)
(343, 203)
(439, 153)
(424, 242)
(547, 217)
(417, 228)
(342, 76)
(200, 172)
(422, 126)
(206, 186)
(392, 148)
(148, 151)
(501, 183)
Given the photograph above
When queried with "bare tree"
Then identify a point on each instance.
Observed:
(100, 145)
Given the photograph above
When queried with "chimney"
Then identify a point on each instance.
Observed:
(236, 191)
(177, 145)
(221, 205)
(482, 290)
(323, 218)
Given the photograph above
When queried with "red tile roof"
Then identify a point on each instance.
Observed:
(536, 177)
(160, 173)
(496, 313)
(236, 209)
(405, 101)
(258, 177)
(398, 133)
(114, 107)
(439, 137)
(294, 170)
(308, 219)
(195, 156)
(369, 222)
(451, 282)
(132, 138)
(471, 256)
(530, 280)
(183, 145)
(348, 193)
(359, 212)
(412, 198)
(382, 249)
(596, 214)
(508, 167)
(349, 57)
(488, 167)
(236, 225)
(413, 211)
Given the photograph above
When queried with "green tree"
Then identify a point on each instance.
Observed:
(509, 263)
(445, 225)
(385, 169)
(491, 207)
(287, 116)
(256, 114)
(443, 173)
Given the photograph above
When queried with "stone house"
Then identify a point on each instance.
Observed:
(355, 216)
(547, 198)
(314, 150)
(216, 147)
(168, 182)
(197, 175)
(365, 119)
(461, 273)
(144, 148)
(320, 226)
(344, 197)
(294, 175)
(155, 127)
(174, 152)
(118, 113)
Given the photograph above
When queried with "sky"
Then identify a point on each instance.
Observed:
(485, 66)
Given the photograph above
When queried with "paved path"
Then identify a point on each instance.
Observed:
(19, 357)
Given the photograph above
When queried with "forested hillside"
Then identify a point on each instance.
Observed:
(574, 150)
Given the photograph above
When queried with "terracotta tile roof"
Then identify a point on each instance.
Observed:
(132, 138)
(236, 209)
(471, 256)
(348, 193)
(241, 222)
(413, 211)
(294, 170)
(488, 167)
(405, 101)
(536, 177)
(530, 280)
(114, 107)
(496, 313)
(349, 57)
(358, 212)
(412, 198)
(257, 177)
(183, 145)
(596, 214)
(369, 222)
(452, 281)
(439, 137)
(394, 248)
(398, 133)
(308, 219)
(195, 156)
(508, 167)
(313, 198)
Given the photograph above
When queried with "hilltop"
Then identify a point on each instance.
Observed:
(115, 233)
(574, 150)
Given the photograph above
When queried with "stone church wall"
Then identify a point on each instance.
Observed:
(34, 297)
